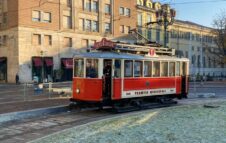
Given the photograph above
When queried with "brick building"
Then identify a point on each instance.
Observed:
(39, 38)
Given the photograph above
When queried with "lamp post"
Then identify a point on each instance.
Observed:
(165, 17)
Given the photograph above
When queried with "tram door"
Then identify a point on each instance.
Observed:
(107, 71)
(184, 78)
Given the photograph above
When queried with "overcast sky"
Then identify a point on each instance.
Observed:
(198, 11)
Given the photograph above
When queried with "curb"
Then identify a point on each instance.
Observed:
(14, 116)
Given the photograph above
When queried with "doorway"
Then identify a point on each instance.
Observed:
(3, 69)
(107, 80)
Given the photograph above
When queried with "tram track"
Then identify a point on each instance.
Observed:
(34, 128)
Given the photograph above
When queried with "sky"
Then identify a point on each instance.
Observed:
(199, 11)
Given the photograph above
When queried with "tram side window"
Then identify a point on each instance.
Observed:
(147, 69)
(91, 68)
(156, 69)
(79, 68)
(117, 68)
(138, 69)
(184, 69)
(177, 68)
(172, 69)
(164, 69)
(128, 69)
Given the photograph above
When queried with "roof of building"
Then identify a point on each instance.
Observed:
(192, 23)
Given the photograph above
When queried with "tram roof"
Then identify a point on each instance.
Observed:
(115, 55)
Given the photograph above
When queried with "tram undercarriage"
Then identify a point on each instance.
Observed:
(127, 105)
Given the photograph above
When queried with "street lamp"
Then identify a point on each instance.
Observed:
(165, 17)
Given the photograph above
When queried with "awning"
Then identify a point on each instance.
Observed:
(49, 62)
(37, 62)
(68, 63)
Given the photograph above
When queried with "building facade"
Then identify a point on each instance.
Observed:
(39, 38)
(196, 42)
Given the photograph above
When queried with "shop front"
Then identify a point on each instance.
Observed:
(42, 69)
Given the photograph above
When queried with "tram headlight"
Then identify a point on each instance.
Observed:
(77, 91)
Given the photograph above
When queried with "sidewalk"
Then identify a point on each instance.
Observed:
(14, 98)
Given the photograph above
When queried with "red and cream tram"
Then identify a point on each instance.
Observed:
(108, 77)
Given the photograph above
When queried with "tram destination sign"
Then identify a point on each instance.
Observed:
(104, 44)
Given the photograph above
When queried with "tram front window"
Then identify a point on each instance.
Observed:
(91, 68)
(79, 68)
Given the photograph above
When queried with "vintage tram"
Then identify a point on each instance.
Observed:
(119, 75)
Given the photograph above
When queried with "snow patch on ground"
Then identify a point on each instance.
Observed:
(183, 124)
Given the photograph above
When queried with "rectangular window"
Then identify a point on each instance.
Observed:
(91, 68)
(88, 25)
(81, 24)
(204, 62)
(107, 9)
(36, 15)
(36, 39)
(148, 18)
(149, 34)
(122, 30)
(158, 35)
(139, 18)
(47, 17)
(5, 18)
(147, 69)
(138, 69)
(95, 26)
(107, 27)
(184, 69)
(156, 69)
(88, 5)
(95, 6)
(69, 3)
(91, 43)
(127, 29)
(67, 42)
(121, 10)
(177, 68)
(128, 69)
(67, 22)
(85, 43)
(5, 40)
(172, 69)
(164, 69)
(117, 68)
(127, 12)
(79, 68)
(47, 40)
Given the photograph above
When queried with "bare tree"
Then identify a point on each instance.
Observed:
(219, 24)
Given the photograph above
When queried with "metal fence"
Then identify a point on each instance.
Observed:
(34, 91)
